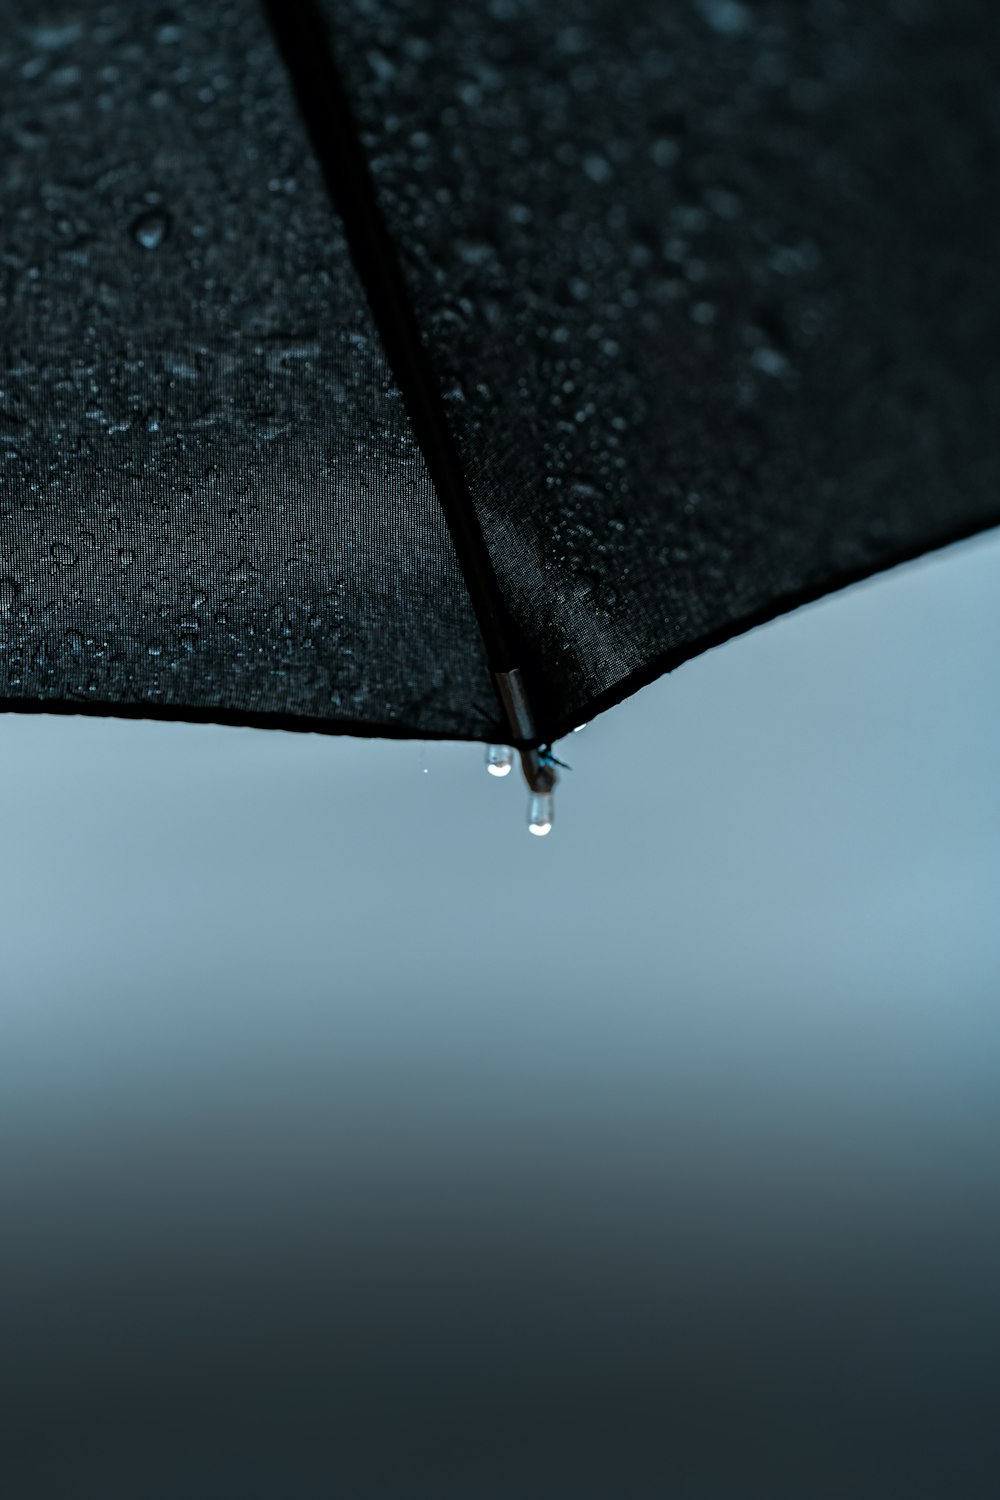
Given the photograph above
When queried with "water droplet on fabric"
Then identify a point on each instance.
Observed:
(598, 168)
(728, 17)
(383, 68)
(150, 229)
(63, 554)
(664, 152)
(769, 361)
(52, 38)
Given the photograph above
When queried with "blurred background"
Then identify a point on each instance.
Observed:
(355, 1143)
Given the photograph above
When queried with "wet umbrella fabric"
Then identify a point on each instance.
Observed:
(700, 322)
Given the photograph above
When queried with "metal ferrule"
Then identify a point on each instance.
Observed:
(540, 776)
(514, 697)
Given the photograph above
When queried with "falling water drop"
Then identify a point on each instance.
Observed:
(499, 759)
(541, 813)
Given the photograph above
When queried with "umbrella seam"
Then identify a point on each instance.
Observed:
(304, 43)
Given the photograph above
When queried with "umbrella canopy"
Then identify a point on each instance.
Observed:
(452, 369)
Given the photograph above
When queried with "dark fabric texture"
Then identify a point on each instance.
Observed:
(211, 502)
(708, 288)
(711, 291)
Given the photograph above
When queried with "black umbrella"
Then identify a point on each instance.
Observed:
(629, 325)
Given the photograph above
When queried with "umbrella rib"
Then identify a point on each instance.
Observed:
(304, 43)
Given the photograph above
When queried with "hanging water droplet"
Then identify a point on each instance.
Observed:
(499, 759)
(579, 727)
(541, 813)
(150, 229)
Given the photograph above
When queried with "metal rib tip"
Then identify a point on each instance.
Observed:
(514, 697)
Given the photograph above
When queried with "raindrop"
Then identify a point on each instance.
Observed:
(598, 168)
(150, 229)
(63, 554)
(722, 202)
(665, 151)
(499, 759)
(728, 17)
(541, 812)
(769, 361)
(126, 556)
(381, 66)
(52, 38)
(475, 252)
